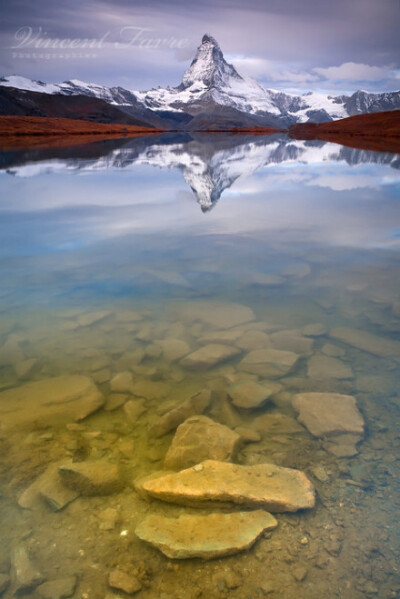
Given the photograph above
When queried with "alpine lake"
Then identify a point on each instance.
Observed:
(199, 370)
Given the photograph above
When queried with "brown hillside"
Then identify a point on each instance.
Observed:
(379, 131)
(25, 131)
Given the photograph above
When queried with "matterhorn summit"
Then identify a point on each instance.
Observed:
(209, 84)
(209, 67)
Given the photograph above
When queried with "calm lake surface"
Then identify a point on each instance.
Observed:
(118, 262)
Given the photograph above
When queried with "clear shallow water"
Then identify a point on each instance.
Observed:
(299, 232)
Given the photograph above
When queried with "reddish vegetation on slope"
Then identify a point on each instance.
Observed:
(379, 131)
(30, 131)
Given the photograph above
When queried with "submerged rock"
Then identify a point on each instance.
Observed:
(343, 446)
(276, 423)
(223, 411)
(133, 409)
(151, 389)
(297, 270)
(126, 316)
(115, 401)
(86, 320)
(108, 518)
(265, 279)
(269, 363)
(292, 340)
(4, 583)
(208, 536)
(219, 315)
(328, 413)
(329, 349)
(24, 369)
(200, 438)
(118, 579)
(48, 487)
(326, 367)
(49, 401)
(173, 349)
(226, 336)
(169, 421)
(272, 487)
(57, 589)
(379, 346)
(25, 576)
(314, 330)
(248, 435)
(249, 395)
(101, 376)
(11, 352)
(251, 340)
(122, 382)
(92, 477)
(209, 355)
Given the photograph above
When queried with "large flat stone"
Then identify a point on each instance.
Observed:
(200, 438)
(50, 401)
(228, 336)
(151, 389)
(169, 421)
(328, 367)
(251, 340)
(205, 536)
(269, 363)
(372, 344)
(173, 349)
(328, 413)
(249, 395)
(219, 315)
(292, 340)
(266, 486)
(209, 355)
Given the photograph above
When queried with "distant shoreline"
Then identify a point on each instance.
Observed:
(378, 131)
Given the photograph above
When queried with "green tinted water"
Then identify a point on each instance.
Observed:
(138, 305)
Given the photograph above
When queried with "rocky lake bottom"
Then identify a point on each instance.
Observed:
(203, 413)
(205, 396)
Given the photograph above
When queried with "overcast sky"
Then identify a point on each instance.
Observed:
(294, 45)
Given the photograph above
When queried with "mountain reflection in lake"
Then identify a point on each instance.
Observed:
(120, 300)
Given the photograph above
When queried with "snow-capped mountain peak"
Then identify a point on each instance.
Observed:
(209, 66)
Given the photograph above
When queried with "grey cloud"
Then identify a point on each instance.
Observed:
(296, 37)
